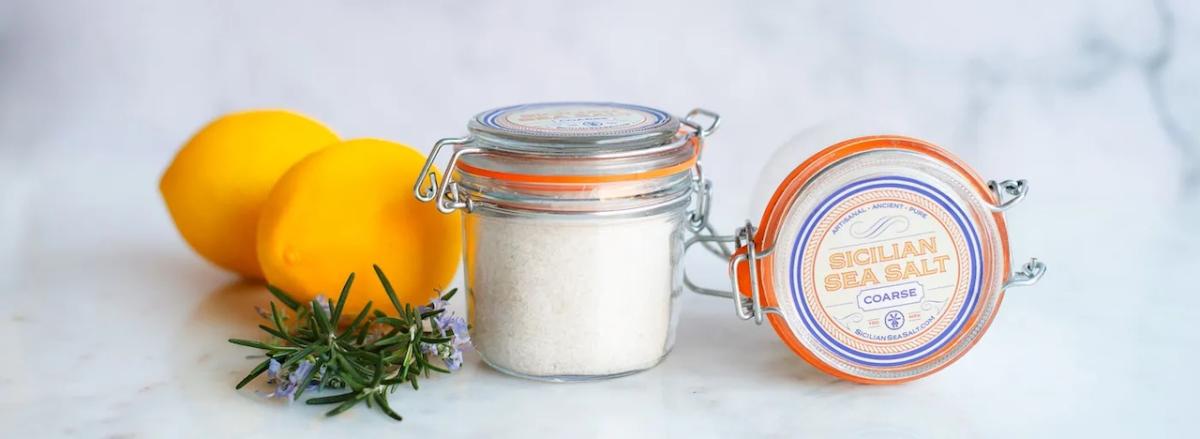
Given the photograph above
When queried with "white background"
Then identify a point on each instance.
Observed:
(1096, 103)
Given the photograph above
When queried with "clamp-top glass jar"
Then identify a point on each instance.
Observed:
(574, 226)
(880, 259)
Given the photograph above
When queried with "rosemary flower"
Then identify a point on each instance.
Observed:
(321, 299)
(287, 386)
(273, 369)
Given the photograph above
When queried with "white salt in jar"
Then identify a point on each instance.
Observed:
(575, 215)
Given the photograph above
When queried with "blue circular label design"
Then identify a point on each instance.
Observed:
(576, 119)
(875, 300)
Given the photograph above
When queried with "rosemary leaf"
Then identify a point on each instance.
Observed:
(387, 288)
(254, 373)
(287, 300)
(322, 319)
(253, 344)
(337, 310)
(347, 405)
(381, 399)
(392, 321)
(330, 399)
(299, 355)
(278, 320)
(273, 332)
(357, 320)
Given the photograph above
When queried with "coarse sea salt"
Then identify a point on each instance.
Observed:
(573, 297)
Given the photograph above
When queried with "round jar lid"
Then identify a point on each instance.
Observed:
(571, 158)
(579, 143)
(884, 259)
(573, 128)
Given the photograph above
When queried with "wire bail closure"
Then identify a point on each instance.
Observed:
(746, 308)
(698, 217)
(447, 193)
(1014, 190)
(448, 197)
(1008, 193)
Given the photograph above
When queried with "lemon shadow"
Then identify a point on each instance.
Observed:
(205, 367)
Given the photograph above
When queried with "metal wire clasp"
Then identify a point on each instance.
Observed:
(746, 306)
(692, 117)
(1008, 193)
(447, 193)
(698, 217)
(1013, 190)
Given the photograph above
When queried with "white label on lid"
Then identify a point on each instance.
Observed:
(575, 119)
(886, 271)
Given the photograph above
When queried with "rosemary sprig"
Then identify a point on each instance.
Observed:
(369, 356)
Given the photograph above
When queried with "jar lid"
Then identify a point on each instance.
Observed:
(572, 158)
(573, 128)
(884, 259)
(582, 143)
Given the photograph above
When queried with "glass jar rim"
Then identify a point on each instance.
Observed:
(679, 155)
(604, 156)
(577, 143)
(579, 129)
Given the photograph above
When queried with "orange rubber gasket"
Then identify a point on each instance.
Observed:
(773, 217)
(589, 179)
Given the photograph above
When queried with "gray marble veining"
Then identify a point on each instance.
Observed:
(111, 327)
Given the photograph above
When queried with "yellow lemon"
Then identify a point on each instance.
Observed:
(349, 206)
(218, 181)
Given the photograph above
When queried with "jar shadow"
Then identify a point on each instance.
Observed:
(709, 335)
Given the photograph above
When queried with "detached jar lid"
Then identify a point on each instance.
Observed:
(880, 259)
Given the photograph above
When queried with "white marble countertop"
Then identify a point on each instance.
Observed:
(111, 327)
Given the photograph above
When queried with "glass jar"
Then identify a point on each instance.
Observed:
(575, 215)
(879, 260)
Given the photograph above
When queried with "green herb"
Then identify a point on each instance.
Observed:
(317, 346)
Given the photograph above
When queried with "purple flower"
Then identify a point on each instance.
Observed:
(273, 369)
(451, 353)
(459, 326)
(450, 321)
(301, 371)
(461, 339)
(324, 303)
(287, 386)
(285, 390)
(429, 349)
(454, 360)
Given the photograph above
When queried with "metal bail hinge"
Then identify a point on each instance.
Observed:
(702, 131)
(1008, 193)
(746, 306)
(698, 218)
(446, 193)
(1030, 274)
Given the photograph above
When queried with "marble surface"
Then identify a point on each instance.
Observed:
(111, 327)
